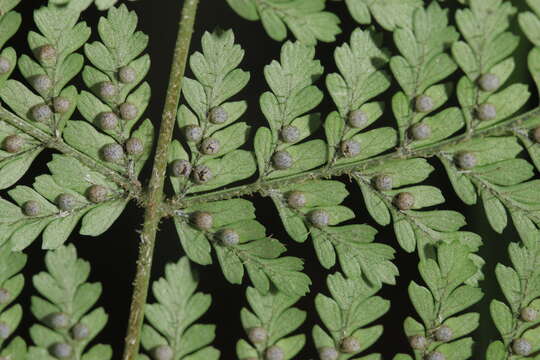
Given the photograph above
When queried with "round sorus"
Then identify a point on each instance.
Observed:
(13, 143)
(5, 296)
(97, 193)
(536, 135)
(274, 353)
(128, 111)
(218, 115)
(350, 148)
(489, 82)
(134, 146)
(420, 131)
(107, 90)
(66, 202)
(127, 74)
(328, 353)
(404, 201)
(435, 356)
(383, 182)
(46, 54)
(61, 104)
(180, 167)
(112, 152)
(210, 146)
(193, 133)
(418, 342)
(5, 65)
(529, 314)
(42, 83)
(5, 330)
(289, 134)
(57, 320)
(31, 208)
(424, 103)
(521, 347)
(486, 112)
(319, 218)
(108, 120)
(350, 345)
(80, 332)
(296, 199)
(466, 160)
(41, 113)
(162, 352)
(282, 160)
(257, 335)
(444, 333)
(61, 350)
(228, 237)
(202, 220)
(201, 174)
(357, 119)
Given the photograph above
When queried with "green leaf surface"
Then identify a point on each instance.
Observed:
(65, 290)
(178, 306)
(306, 19)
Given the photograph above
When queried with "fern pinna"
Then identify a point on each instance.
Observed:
(417, 86)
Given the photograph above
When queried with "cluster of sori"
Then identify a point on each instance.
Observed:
(453, 101)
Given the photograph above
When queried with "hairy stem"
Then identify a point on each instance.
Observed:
(154, 211)
(56, 143)
(502, 128)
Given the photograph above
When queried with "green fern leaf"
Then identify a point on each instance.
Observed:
(170, 320)
(66, 322)
(285, 108)
(390, 14)
(214, 158)
(306, 19)
(269, 325)
(447, 294)
(11, 285)
(346, 314)
(251, 250)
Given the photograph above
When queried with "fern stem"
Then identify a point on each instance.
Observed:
(56, 143)
(154, 211)
(502, 128)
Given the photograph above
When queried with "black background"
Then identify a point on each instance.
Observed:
(113, 255)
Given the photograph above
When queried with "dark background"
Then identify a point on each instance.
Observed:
(113, 255)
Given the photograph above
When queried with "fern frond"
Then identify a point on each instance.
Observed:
(83, 173)
(530, 25)
(451, 289)
(306, 19)
(10, 21)
(269, 325)
(517, 320)
(170, 333)
(241, 244)
(420, 68)
(68, 178)
(390, 14)
(214, 159)
(286, 109)
(56, 65)
(345, 315)
(67, 325)
(119, 69)
(361, 78)
(486, 50)
(11, 285)
(80, 5)
(352, 244)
